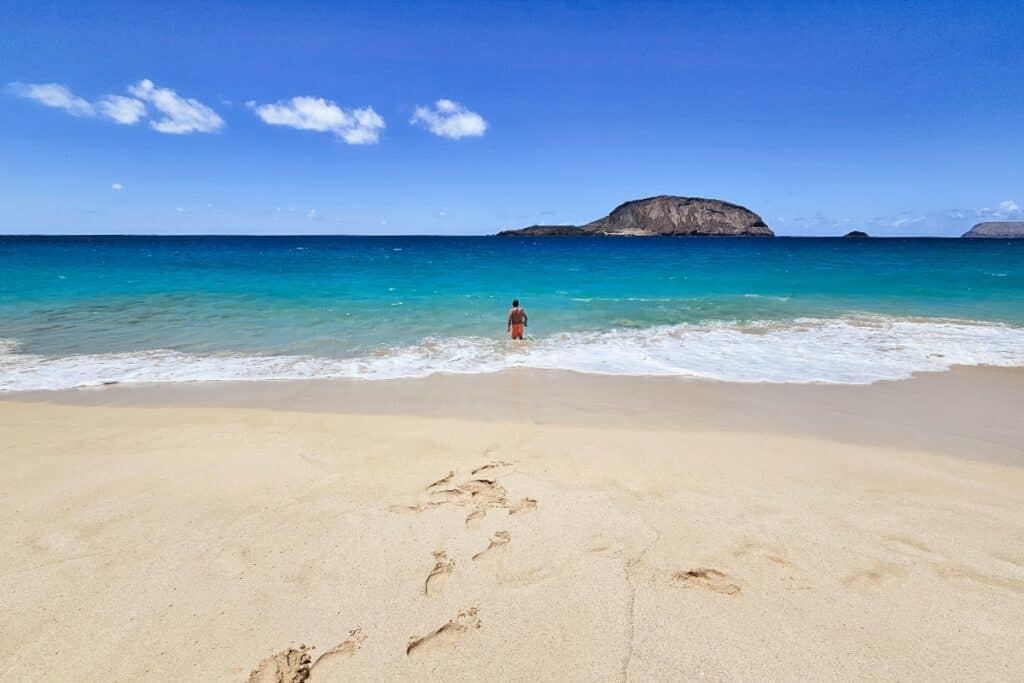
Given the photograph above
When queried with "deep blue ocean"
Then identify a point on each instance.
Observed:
(79, 311)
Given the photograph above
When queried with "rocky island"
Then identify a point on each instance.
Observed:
(997, 230)
(856, 234)
(664, 215)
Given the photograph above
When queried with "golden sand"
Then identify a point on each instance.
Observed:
(204, 543)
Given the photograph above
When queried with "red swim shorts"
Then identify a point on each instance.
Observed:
(517, 332)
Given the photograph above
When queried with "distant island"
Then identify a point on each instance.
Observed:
(664, 215)
(856, 233)
(997, 230)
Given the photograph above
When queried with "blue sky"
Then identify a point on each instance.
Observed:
(899, 118)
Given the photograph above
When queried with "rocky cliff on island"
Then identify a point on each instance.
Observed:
(663, 215)
(997, 230)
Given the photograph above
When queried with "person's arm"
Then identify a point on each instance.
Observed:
(524, 318)
(509, 329)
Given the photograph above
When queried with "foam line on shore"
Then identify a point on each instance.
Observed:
(848, 350)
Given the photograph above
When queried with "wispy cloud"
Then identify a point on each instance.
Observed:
(450, 119)
(123, 110)
(906, 220)
(54, 95)
(354, 126)
(117, 186)
(1007, 209)
(181, 115)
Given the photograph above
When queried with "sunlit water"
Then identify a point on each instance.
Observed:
(84, 311)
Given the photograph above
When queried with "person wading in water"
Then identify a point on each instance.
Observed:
(516, 320)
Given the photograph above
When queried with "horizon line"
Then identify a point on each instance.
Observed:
(398, 234)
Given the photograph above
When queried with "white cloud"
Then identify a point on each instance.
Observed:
(354, 126)
(905, 220)
(54, 95)
(117, 186)
(311, 214)
(180, 210)
(124, 110)
(119, 109)
(450, 120)
(181, 115)
(1009, 206)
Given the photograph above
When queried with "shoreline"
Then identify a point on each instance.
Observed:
(915, 413)
(848, 349)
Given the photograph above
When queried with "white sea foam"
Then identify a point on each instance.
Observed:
(850, 350)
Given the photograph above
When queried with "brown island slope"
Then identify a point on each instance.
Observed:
(997, 230)
(664, 215)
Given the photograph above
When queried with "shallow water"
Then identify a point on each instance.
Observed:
(83, 311)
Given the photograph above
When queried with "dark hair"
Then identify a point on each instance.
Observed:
(515, 303)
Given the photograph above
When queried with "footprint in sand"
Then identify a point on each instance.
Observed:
(448, 633)
(491, 466)
(330, 665)
(443, 566)
(522, 506)
(875, 575)
(482, 493)
(767, 551)
(474, 517)
(287, 666)
(456, 496)
(499, 540)
(294, 665)
(442, 481)
(486, 492)
(709, 579)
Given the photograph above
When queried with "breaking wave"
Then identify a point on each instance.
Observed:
(847, 350)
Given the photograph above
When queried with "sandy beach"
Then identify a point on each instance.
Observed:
(518, 526)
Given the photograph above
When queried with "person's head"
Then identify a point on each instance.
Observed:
(515, 303)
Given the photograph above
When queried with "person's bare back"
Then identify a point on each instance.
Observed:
(517, 320)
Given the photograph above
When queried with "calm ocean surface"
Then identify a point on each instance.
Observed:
(84, 311)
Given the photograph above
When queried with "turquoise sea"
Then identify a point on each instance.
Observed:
(81, 311)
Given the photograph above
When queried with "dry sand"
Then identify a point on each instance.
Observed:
(596, 529)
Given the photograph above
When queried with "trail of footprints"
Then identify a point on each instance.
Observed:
(482, 494)
(717, 581)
